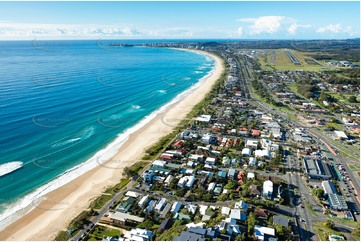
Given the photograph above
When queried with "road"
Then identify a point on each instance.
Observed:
(339, 159)
(101, 212)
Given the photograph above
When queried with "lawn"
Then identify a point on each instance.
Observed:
(292, 116)
(354, 167)
(323, 232)
(334, 125)
(101, 232)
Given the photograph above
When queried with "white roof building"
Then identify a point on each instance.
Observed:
(159, 163)
(202, 209)
(206, 138)
(250, 175)
(267, 189)
(262, 153)
(151, 205)
(204, 118)
(168, 180)
(211, 186)
(143, 201)
(191, 208)
(175, 207)
(226, 210)
(160, 205)
(340, 134)
(195, 157)
(261, 231)
(182, 181)
(211, 160)
(252, 143)
(252, 161)
(190, 182)
(133, 194)
(138, 235)
(247, 151)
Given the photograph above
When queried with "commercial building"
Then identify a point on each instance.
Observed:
(317, 169)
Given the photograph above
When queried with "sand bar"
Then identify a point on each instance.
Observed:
(64, 203)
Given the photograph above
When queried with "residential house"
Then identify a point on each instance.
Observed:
(238, 215)
(230, 225)
(241, 205)
(254, 190)
(165, 225)
(191, 208)
(280, 220)
(267, 189)
(264, 233)
(231, 173)
(246, 152)
(261, 213)
(175, 207)
(139, 235)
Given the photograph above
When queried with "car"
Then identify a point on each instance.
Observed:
(303, 221)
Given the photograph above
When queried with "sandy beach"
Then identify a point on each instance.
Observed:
(62, 205)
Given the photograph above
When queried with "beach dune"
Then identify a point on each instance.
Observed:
(59, 207)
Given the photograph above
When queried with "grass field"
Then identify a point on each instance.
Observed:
(354, 167)
(334, 125)
(323, 232)
(102, 232)
(280, 61)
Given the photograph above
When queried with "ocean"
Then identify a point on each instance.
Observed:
(67, 106)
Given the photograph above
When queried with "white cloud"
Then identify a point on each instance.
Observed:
(333, 28)
(337, 29)
(177, 32)
(70, 31)
(266, 24)
(293, 28)
(29, 31)
(239, 32)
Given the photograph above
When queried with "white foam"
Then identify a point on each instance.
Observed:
(18, 209)
(136, 106)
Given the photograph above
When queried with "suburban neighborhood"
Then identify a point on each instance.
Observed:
(270, 155)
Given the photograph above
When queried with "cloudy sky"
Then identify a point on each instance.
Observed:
(179, 20)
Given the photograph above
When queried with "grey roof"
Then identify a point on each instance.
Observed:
(125, 216)
(280, 220)
(198, 231)
(166, 224)
(189, 236)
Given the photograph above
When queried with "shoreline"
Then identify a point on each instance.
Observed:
(63, 204)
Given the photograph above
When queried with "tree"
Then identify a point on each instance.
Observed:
(128, 172)
(318, 192)
(251, 222)
(207, 197)
(146, 224)
(352, 99)
(329, 224)
(230, 185)
(324, 97)
(223, 197)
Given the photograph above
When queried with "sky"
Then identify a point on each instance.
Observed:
(180, 20)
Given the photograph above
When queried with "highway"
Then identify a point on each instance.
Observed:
(301, 214)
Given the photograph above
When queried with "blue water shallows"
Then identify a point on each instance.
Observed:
(62, 102)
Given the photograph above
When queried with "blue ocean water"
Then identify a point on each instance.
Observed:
(62, 101)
